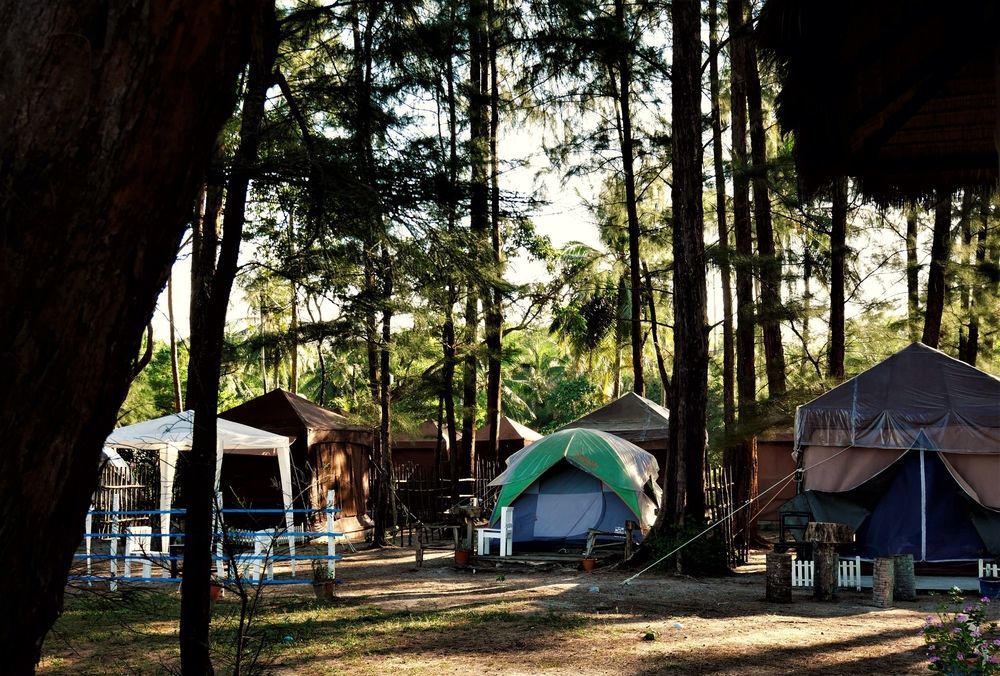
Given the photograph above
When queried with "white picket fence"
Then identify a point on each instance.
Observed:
(988, 569)
(848, 573)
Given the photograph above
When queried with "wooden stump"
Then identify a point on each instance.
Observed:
(779, 577)
(825, 563)
(882, 582)
(904, 586)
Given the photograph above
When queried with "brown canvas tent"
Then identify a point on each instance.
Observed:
(908, 454)
(513, 437)
(329, 453)
(417, 450)
(633, 418)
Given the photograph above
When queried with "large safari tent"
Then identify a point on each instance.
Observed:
(329, 452)
(908, 454)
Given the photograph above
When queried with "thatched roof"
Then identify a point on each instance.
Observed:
(900, 95)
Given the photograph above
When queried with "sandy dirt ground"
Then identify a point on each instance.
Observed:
(390, 616)
(711, 626)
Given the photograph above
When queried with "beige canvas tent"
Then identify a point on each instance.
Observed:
(907, 453)
(513, 437)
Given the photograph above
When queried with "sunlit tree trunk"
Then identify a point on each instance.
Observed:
(769, 258)
(728, 338)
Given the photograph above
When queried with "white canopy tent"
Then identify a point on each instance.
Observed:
(171, 434)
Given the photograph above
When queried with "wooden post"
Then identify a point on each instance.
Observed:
(114, 541)
(629, 529)
(825, 537)
(882, 582)
(331, 545)
(904, 585)
(420, 547)
(779, 577)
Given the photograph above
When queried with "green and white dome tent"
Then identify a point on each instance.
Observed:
(575, 480)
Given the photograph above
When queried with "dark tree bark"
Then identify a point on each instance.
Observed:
(838, 254)
(478, 218)
(622, 90)
(95, 185)
(978, 299)
(175, 371)
(208, 324)
(912, 274)
(494, 308)
(661, 364)
(746, 378)
(690, 399)
(451, 296)
(769, 259)
(940, 250)
(728, 338)
(741, 458)
(386, 517)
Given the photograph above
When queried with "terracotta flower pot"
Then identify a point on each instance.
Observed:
(588, 564)
(214, 592)
(324, 590)
(462, 557)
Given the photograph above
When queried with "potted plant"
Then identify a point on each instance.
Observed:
(323, 582)
(215, 591)
(462, 556)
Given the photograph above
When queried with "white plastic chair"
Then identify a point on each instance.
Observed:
(505, 534)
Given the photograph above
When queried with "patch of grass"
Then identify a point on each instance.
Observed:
(137, 631)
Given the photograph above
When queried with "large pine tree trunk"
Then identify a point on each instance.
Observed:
(175, 371)
(838, 254)
(208, 324)
(940, 250)
(728, 338)
(690, 400)
(109, 115)
(769, 260)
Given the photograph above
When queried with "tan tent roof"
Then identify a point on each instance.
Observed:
(630, 417)
(510, 430)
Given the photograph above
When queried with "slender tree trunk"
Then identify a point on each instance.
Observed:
(728, 338)
(385, 391)
(746, 379)
(838, 254)
(742, 458)
(175, 371)
(478, 218)
(978, 296)
(293, 327)
(451, 296)
(912, 273)
(494, 310)
(623, 92)
(660, 363)
(769, 258)
(940, 251)
(690, 399)
(207, 333)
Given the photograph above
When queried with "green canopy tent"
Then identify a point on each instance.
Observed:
(575, 480)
